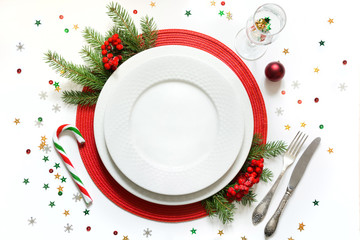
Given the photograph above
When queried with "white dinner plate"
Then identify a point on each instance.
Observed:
(129, 66)
(172, 126)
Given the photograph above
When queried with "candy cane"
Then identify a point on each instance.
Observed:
(68, 164)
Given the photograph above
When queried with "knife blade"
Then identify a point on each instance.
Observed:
(295, 178)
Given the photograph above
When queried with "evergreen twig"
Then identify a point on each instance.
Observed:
(94, 61)
(149, 32)
(79, 97)
(219, 206)
(248, 199)
(93, 38)
(266, 175)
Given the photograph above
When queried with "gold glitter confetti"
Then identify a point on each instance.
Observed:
(17, 121)
(303, 124)
(286, 51)
(301, 227)
(331, 20)
(212, 3)
(220, 232)
(287, 127)
(331, 150)
(66, 213)
(316, 69)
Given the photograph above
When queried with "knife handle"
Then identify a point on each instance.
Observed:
(272, 224)
(261, 209)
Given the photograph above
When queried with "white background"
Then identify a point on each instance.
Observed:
(332, 179)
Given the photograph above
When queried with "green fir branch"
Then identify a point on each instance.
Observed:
(218, 206)
(127, 29)
(79, 97)
(248, 199)
(266, 175)
(76, 73)
(94, 60)
(93, 38)
(268, 150)
(149, 32)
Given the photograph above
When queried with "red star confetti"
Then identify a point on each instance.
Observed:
(286, 51)
(301, 227)
(330, 150)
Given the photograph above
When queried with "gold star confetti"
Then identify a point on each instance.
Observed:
(286, 51)
(62, 71)
(212, 3)
(331, 20)
(152, 4)
(57, 89)
(301, 226)
(17, 121)
(287, 127)
(41, 146)
(66, 213)
(57, 176)
(60, 188)
(316, 69)
(125, 238)
(43, 138)
(229, 16)
(76, 26)
(243, 238)
(220, 232)
(290, 238)
(330, 150)
(303, 124)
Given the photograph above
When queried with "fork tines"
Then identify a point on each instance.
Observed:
(296, 144)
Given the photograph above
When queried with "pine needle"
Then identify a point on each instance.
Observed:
(93, 38)
(94, 61)
(266, 175)
(149, 32)
(79, 97)
(219, 206)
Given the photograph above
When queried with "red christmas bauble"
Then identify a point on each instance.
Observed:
(275, 71)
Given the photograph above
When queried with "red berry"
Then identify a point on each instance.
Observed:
(236, 187)
(258, 170)
(251, 179)
(105, 60)
(254, 162)
(261, 160)
(28, 151)
(108, 47)
(104, 52)
(113, 67)
(261, 165)
(103, 47)
(110, 55)
(106, 43)
(116, 35)
(119, 47)
(107, 66)
(248, 184)
(18, 71)
(250, 169)
(88, 228)
(51, 171)
(110, 40)
(135, 11)
(257, 180)
(115, 233)
(238, 196)
(254, 174)
(119, 57)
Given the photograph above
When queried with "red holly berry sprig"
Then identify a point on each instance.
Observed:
(245, 181)
(111, 52)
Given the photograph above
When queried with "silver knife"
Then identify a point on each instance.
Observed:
(296, 175)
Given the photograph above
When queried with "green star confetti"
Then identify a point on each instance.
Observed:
(52, 204)
(57, 165)
(56, 84)
(46, 186)
(221, 13)
(193, 231)
(26, 181)
(316, 203)
(86, 212)
(188, 13)
(37, 22)
(63, 179)
(45, 158)
(322, 43)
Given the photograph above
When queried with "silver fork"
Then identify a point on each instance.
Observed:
(288, 158)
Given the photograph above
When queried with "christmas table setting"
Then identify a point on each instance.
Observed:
(180, 120)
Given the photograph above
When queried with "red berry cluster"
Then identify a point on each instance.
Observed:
(109, 49)
(246, 180)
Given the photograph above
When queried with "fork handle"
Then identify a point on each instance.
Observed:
(272, 224)
(262, 208)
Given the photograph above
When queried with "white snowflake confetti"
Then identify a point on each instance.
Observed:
(295, 84)
(147, 232)
(43, 95)
(47, 148)
(20, 47)
(342, 87)
(56, 108)
(77, 197)
(32, 221)
(68, 228)
(279, 111)
(38, 123)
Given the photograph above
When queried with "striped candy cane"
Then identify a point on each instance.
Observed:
(68, 164)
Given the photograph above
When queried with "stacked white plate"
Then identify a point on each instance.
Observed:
(173, 125)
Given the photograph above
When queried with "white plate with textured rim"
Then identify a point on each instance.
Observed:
(138, 191)
(172, 126)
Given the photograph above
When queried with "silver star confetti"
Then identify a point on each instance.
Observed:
(47, 148)
(147, 232)
(38, 123)
(279, 111)
(342, 87)
(68, 228)
(32, 221)
(77, 197)
(43, 95)
(295, 84)
(20, 47)
(56, 108)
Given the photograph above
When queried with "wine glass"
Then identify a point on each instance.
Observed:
(261, 29)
